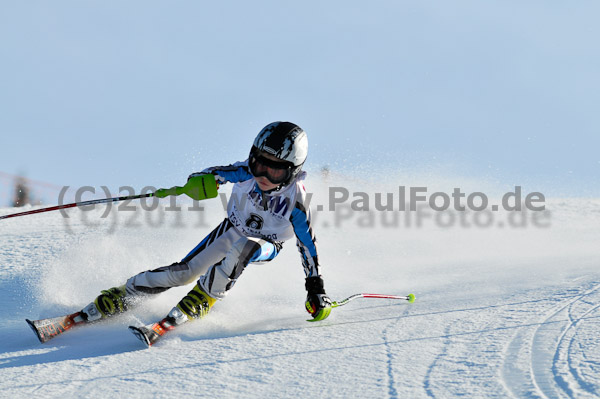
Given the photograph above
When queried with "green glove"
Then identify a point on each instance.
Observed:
(317, 302)
(198, 188)
(319, 306)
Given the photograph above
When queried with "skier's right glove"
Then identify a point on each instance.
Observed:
(317, 302)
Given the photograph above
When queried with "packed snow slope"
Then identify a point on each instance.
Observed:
(509, 309)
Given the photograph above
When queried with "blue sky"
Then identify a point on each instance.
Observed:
(144, 92)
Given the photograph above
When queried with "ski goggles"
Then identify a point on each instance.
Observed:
(276, 172)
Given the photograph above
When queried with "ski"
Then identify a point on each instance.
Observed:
(148, 334)
(46, 329)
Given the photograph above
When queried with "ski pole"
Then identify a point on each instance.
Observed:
(74, 204)
(410, 298)
(198, 188)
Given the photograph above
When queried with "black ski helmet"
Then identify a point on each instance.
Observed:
(285, 141)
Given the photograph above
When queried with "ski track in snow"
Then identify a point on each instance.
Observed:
(550, 344)
(392, 390)
(497, 315)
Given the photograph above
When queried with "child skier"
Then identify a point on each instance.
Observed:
(267, 207)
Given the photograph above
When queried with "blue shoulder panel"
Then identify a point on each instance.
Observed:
(238, 172)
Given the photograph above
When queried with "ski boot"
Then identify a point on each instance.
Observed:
(109, 303)
(196, 304)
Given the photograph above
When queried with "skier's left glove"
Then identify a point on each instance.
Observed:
(317, 303)
(201, 174)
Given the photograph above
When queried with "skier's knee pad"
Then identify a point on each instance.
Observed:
(243, 251)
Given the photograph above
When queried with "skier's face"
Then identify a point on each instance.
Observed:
(265, 170)
(264, 184)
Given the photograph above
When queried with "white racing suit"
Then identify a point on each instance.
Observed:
(256, 226)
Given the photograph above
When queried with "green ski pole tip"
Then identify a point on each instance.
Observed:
(411, 298)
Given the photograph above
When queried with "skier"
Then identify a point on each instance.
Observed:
(267, 207)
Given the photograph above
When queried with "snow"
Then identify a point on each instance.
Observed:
(500, 311)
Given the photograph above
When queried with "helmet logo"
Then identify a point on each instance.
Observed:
(269, 150)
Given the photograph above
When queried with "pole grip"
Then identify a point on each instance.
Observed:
(198, 187)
